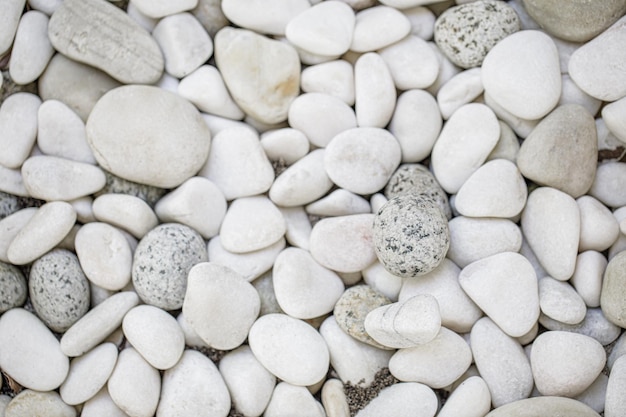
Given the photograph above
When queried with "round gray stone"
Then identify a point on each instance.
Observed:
(118, 185)
(13, 287)
(411, 235)
(59, 289)
(162, 261)
(9, 204)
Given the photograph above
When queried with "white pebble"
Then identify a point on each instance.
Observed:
(595, 325)
(613, 115)
(286, 144)
(560, 301)
(88, 374)
(161, 8)
(609, 185)
(470, 399)
(412, 63)
(126, 212)
(587, 278)
(598, 227)
(263, 16)
(31, 50)
(334, 398)
(377, 27)
(10, 21)
(461, 89)
(250, 265)
(401, 398)
(615, 403)
(288, 399)
(335, 78)
(10, 226)
(339, 203)
(298, 226)
(18, 128)
(383, 281)
(374, 91)
(11, 182)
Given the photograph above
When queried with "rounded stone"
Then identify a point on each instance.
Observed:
(614, 290)
(162, 261)
(35, 403)
(544, 406)
(148, 135)
(13, 287)
(411, 235)
(59, 289)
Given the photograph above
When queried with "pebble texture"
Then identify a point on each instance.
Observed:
(542, 406)
(13, 287)
(613, 296)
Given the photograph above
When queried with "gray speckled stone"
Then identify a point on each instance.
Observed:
(13, 288)
(162, 260)
(411, 235)
(465, 33)
(59, 289)
(417, 179)
(9, 204)
(118, 185)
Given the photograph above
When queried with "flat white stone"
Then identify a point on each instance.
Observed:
(30, 353)
(126, 212)
(613, 115)
(298, 226)
(504, 286)
(551, 225)
(10, 21)
(339, 203)
(262, 16)
(31, 50)
(38, 403)
(422, 20)
(470, 399)
(334, 398)
(205, 88)
(522, 74)
(565, 363)
(304, 289)
(18, 128)
(303, 182)
(45, 229)
(588, 274)
(286, 144)
(145, 21)
(412, 63)
(461, 89)
(184, 43)
(53, 178)
(377, 27)
(194, 385)
(98, 323)
(547, 405)
(599, 229)
(560, 301)
(249, 383)
(288, 399)
(463, 145)
(101, 405)
(10, 226)
(134, 385)
(383, 281)
(217, 291)
(88, 374)
(400, 399)
(335, 78)
(250, 265)
(416, 135)
(374, 91)
(237, 164)
(308, 109)
(496, 189)
(197, 203)
(160, 8)
(608, 185)
(437, 363)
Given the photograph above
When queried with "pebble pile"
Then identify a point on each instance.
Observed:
(265, 207)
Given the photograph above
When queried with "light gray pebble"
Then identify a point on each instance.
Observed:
(13, 287)
(59, 289)
(117, 185)
(411, 235)
(162, 260)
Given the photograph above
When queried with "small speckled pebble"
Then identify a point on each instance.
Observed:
(467, 32)
(352, 308)
(411, 235)
(162, 260)
(13, 289)
(59, 289)
(9, 204)
(417, 179)
(117, 185)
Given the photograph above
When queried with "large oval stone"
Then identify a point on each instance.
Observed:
(544, 406)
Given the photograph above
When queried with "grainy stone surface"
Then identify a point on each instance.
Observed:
(13, 287)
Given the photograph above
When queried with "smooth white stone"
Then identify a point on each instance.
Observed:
(45, 229)
(263, 16)
(160, 8)
(126, 212)
(343, 243)
(355, 362)
(10, 226)
(145, 21)
(595, 395)
(618, 350)
(565, 363)
(560, 301)
(325, 29)
(335, 78)
(303, 182)
(88, 374)
(551, 225)
(11, 182)
(609, 185)
(288, 400)
(134, 385)
(507, 146)
(588, 275)
(237, 164)
(521, 127)
(402, 400)
(30, 402)
(595, 325)
(377, 27)
(374, 91)
(463, 145)
(31, 50)
(334, 399)
(614, 115)
(197, 203)
(416, 135)
(571, 93)
(193, 386)
(461, 89)
(615, 404)
(168, 83)
(205, 88)
(472, 239)
(383, 281)
(298, 226)
(362, 159)
(249, 265)
(496, 189)
(289, 348)
(101, 405)
(285, 145)
(184, 43)
(522, 74)
(598, 227)
(249, 383)
(9, 23)
(30, 353)
(18, 128)
(308, 109)
(339, 203)
(437, 363)
(447, 70)
(470, 399)
(304, 289)
(191, 336)
(412, 63)
(95, 326)
(504, 286)
(422, 21)
(105, 255)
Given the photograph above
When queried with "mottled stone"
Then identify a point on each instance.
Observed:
(13, 287)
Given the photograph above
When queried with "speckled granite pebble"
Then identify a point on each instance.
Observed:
(466, 33)
(9, 204)
(59, 289)
(162, 260)
(118, 185)
(13, 288)
(411, 235)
